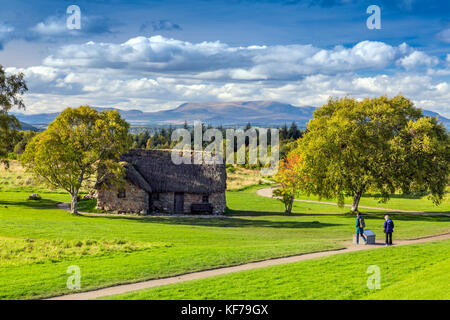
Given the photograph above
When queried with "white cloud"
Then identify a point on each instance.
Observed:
(417, 59)
(51, 27)
(56, 27)
(157, 73)
(108, 90)
(216, 60)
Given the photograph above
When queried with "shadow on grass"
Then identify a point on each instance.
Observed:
(34, 204)
(413, 195)
(230, 222)
(368, 216)
(248, 213)
(402, 216)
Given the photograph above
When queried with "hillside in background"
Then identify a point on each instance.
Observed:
(27, 127)
(262, 113)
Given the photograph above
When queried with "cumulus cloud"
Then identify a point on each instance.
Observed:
(51, 27)
(55, 26)
(217, 60)
(52, 89)
(156, 73)
(417, 59)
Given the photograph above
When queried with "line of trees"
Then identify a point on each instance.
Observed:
(162, 138)
(159, 139)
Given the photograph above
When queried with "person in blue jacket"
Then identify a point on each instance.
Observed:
(388, 229)
(360, 228)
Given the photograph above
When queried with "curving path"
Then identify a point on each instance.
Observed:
(120, 289)
(268, 192)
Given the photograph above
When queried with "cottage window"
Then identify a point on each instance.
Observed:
(121, 194)
(205, 199)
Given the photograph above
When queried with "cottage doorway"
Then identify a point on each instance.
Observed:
(178, 205)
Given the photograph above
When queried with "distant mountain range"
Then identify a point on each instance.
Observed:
(443, 119)
(262, 113)
(27, 127)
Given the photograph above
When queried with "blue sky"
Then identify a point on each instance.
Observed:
(153, 55)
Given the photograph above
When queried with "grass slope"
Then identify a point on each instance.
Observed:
(420, 271)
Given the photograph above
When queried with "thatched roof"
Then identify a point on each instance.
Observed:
(155, 169)
(136, 178)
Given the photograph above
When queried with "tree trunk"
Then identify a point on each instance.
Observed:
(356, 199)
(74, 204)
(289, 210)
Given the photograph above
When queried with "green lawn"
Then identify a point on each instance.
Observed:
(397, 201)
(245, 198)
(38, 241)
(420, 271)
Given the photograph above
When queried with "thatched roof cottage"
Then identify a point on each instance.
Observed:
(155, 184)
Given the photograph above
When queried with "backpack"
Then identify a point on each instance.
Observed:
(362, 223)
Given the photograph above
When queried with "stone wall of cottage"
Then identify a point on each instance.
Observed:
(219, 202)
(164, 202)
(136, 200)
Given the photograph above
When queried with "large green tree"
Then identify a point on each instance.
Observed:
(381, 144)
(79, 144)
(12, 87)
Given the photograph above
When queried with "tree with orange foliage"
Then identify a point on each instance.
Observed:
(291, 177)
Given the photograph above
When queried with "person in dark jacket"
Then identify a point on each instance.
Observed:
(359, 228)
(388, 229)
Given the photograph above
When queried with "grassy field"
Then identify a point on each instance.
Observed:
(238, 178)
(119, 249)
(397, 201)
(420, 271)
(38, 241)
(15, 178)
(245, 198)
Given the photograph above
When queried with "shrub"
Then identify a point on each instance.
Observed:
(34, 196)
(12, 156)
